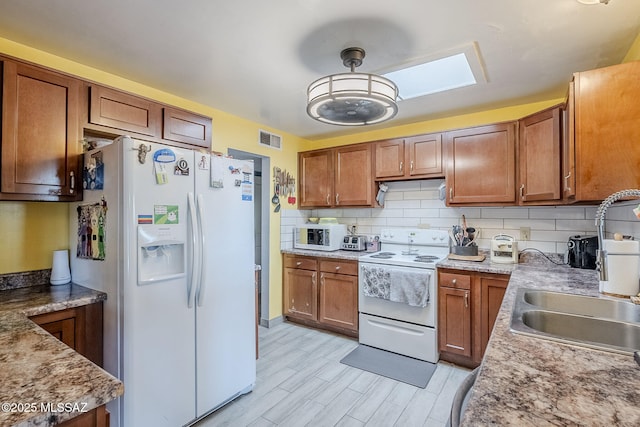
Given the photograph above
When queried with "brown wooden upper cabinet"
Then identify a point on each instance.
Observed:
(119, 110)
(408, 158)
(481, 165)
(340, 176)
(607, 130)
(539, 157)
(186, 127)
(40, 135)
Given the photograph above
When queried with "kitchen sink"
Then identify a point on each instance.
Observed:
(600, 323)
(587, 306)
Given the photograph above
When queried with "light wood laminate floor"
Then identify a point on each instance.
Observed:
(301, 382)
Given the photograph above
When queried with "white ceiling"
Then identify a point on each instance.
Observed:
(255, 58)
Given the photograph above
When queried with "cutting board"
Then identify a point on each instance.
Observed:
(476, 258)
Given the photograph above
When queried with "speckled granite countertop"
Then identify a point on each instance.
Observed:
(527, 381)
(37, 370)
(339, 254)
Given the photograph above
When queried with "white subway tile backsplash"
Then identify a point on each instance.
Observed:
(420, 213)
(558, 212)
(505, 212)
(411, 203)
(395, 204)
(458, 212)
(534, 224)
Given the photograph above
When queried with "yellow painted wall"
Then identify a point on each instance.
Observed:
(634, 52)
(448, 123)
(29, 232)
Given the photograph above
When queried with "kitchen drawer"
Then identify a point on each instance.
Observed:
(303, 263)
(339, 267)
(458, 281)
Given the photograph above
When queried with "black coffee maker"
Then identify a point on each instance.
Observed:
(582, 251)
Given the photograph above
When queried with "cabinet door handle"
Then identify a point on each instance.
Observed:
(411, 165)
(450, 193)
(313, 278)
(337, 199)
(466, 299)
(566, 182)
(522, 191)
(72, 182)
(401, 166)
(298, 264)
(454, 281)
(337, 267)
(328, 199)
(322, 279)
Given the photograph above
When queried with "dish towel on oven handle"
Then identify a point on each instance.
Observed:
(410, 287)
(395, 285)
(376, 282)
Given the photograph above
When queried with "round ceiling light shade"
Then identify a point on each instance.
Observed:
(352, 99)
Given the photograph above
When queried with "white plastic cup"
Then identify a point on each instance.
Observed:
(60, 272)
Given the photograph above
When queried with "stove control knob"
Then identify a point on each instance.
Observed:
(441, 238)
(433, 238)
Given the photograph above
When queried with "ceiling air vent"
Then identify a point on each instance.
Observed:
(270, 140)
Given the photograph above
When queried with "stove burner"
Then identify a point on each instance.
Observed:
(383, 255)
(426, 258)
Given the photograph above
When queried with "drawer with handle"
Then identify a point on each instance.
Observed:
(458, 281)
(341, 267)
(303, 263)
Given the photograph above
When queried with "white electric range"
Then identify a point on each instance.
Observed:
(397, 300)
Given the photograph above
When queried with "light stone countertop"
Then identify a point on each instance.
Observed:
(339, 254)
(36, 369)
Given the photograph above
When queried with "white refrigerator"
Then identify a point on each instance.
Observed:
(168, 234)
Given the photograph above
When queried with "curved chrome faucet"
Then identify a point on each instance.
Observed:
(600, 217)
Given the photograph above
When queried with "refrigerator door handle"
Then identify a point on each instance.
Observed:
(195, 253)
(203, 257)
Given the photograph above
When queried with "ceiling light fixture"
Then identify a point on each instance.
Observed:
(593, 1)
(352, 99)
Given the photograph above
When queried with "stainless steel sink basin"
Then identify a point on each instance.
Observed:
(586, 306)
(601, 323)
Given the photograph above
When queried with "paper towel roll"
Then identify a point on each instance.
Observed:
(623, 270)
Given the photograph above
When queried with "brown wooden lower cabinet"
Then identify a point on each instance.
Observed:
(321, 292)
(468, 303)
(97, 417)
(79, 327)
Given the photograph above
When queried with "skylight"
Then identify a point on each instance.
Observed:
(434, 76)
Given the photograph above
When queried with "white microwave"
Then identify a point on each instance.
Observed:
(319, 237)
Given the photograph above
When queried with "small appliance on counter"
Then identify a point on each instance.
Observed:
(319, 237)
(354, 242)
(504, 249)
(582, 251)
